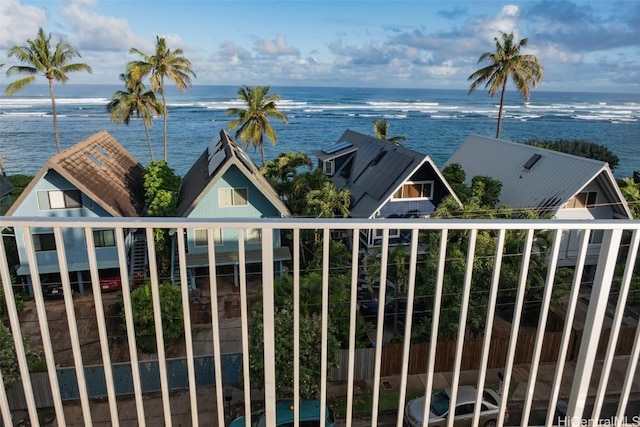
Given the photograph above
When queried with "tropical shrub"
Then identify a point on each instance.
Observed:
(144, 322)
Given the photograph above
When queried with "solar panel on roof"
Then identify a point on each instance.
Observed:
(336, 147)
(214, 146)
(216, 161)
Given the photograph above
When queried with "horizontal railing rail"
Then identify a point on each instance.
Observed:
(459, 275)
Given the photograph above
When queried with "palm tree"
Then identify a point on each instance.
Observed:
(381, 128)
(326, 201)
(135, 101)
(53, 64)
(165, 63)
(253, 122)
(506, 61)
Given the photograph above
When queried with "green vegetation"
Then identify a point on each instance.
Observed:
(135, 101)
(144, 322)
(507, 62)
(51, 63)
(20, 182)
(9, 358)
(581, 148)
(163, 64)
(253, 122)
(310, 338)
(631, 191)
(381, 129)
(161, 187)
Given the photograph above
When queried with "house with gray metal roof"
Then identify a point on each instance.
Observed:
(225, 183)
(385, 180)
(95, 178)
(562, 185)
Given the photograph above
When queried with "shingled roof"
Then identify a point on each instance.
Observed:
(103, 170)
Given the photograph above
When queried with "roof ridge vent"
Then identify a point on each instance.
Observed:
(532, 161)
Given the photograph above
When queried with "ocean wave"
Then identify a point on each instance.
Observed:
(25, 113)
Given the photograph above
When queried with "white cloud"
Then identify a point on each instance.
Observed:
(276, 47)
(98, 32)
(19, 23)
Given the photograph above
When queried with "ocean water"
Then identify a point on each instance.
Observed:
(434, 121)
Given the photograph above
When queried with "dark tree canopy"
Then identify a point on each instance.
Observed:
(581, 148)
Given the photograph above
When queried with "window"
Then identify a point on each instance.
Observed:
(59, 199)
(393, 232)
(201, 237)
(254, 235)
(595, 238)
(44, 242)
(464, 409)
(233, 197)
(586, 199)
(328, 167)
(104, 238)
(415, 190)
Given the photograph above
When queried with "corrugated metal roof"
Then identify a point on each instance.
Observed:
(102, 169)
(197, 180)
(549, 180)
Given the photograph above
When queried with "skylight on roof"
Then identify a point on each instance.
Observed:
(103, 151)
(532, 161)
(94, 159)
(336, 147)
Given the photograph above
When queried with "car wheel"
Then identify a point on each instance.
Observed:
(491, 423)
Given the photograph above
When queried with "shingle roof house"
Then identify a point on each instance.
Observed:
(385, 180)
(563, 185)
(96, 177)
(225, 183)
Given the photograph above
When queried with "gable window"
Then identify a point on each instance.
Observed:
(254, 235)
(233, 197)
(201, 237)
(104, 238)
(44, 242)
(415, 190)
(329, 166)
(59, 199)
(586, 199)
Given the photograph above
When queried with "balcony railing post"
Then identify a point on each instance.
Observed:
(268, 315)
(593, 324)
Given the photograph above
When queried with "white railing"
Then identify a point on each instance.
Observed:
(588, 391)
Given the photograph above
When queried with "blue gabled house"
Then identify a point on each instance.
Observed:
(225, 183)
(95, 178)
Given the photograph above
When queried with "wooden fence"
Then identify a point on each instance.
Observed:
(391, 363)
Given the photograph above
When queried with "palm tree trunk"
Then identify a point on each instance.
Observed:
(55, 115)
(262, 149)
(146, 128)
(504, 89)
(166, 113)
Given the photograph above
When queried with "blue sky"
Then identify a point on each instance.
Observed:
(582, 45)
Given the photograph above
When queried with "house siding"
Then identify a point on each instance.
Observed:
(258, 206)
(74, 239)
